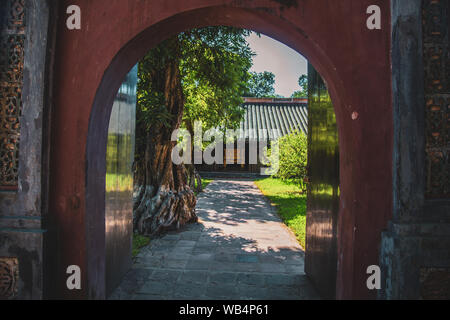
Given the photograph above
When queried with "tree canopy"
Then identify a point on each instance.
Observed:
(214, 69)
(303, 83)
(261, 85)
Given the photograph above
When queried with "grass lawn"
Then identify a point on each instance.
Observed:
(290, 203)
(140, 241)
(205, 183)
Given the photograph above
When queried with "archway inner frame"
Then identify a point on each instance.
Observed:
(93, 130)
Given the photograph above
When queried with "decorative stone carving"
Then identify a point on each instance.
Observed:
(9, 277)
(12, 41)
(437, 94)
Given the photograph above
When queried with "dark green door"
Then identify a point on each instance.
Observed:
(119, 183)
(323, 188)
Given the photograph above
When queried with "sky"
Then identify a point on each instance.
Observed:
(284, 62)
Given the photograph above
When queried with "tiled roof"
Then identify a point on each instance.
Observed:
(285, 115)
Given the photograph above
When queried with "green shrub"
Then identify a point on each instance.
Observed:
(291, 161)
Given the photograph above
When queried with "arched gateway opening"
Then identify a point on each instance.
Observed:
(91, 64)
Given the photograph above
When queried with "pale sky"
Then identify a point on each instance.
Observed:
(285, 63)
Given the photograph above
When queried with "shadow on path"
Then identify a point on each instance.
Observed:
(239, 249)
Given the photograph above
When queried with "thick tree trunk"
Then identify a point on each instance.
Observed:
(192, 173)
(163, 200)
(198, 178)
(194, 178)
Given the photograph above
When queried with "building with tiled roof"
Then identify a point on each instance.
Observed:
(265, 119)
(276, 116)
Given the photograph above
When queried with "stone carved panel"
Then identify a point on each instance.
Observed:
(9, 277)
(435, 19)
(16, 16)
(12, 41)
(437, 94)
(435, 68)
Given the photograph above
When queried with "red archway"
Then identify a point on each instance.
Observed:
(92, 62)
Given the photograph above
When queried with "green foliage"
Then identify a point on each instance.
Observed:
(205, 183)
(298, 94)
(214, 64)
(303, 83)
(291, 160)
(290, 202)
(151, 104)
(261, 85)
(151, 111)
(214, 69)
(138, 243)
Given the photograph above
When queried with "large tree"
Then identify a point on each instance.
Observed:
(214, 81)
(261, 85)
(196, 75)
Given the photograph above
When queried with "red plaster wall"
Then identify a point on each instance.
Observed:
(92, 62)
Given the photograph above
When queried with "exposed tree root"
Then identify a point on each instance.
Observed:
(164, 210)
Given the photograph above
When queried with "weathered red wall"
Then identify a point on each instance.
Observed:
(92, 62)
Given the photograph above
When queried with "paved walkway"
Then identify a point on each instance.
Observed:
(239, 249)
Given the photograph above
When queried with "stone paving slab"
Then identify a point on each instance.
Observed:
(239, 249)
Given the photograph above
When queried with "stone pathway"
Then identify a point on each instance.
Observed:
(239, 249)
